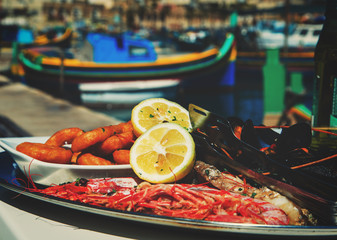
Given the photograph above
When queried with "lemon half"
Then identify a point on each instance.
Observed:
(152, 111)
(165, 153)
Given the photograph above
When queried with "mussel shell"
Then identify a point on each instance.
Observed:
(249, 135)
(267, 135)
(235, 122)
(296, 136)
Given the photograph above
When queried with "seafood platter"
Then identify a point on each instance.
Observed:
(183, 168)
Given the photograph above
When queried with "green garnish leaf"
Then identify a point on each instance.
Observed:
(207, 172)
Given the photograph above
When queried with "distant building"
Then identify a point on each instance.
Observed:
(123, 14)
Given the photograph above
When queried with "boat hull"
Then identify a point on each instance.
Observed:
(212, 67)
(126, 94)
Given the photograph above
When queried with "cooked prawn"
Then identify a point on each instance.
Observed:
(172, 200)
(229, 182)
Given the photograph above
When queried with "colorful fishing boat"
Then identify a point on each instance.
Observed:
(125, 59)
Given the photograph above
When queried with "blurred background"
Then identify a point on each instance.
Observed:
(268, 76)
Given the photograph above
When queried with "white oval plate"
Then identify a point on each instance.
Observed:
(51, 173)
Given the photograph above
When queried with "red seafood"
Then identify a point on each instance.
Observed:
(64, 136)
(94, 191)
(173, 200)
(46, 153)
(231, 183)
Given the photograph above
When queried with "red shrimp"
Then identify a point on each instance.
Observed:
(173, 200)
(231, 183)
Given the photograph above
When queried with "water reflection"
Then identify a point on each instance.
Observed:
(243, 103)
(239, 102)
(249, 105)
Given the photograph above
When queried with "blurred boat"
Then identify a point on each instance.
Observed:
(271, 34)
(25, 37)
(54, 37)
(106, 59)
(294, 60)
(296, 52)
(193, 40)
(305, 36)
(60, 37)
(106, 95)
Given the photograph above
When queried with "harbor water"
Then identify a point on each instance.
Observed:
(242, 101)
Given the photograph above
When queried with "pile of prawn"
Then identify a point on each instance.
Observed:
(234, 184)
(173, 200)
(106, 145)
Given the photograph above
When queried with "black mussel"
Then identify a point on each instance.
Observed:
(249, 135)
(294, 157)
(235, 122)
(267, 135)
(296, 136)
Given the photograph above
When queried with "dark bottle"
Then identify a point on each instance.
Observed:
(325, 88)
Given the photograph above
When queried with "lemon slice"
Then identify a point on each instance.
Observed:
(158, 110)
(165, 153)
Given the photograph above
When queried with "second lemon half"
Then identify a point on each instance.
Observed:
(165, 153)
(158, 110)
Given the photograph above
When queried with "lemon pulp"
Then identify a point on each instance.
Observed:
(165, 153)
(152, 111)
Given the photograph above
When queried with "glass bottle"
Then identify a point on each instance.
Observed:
(325, 88)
